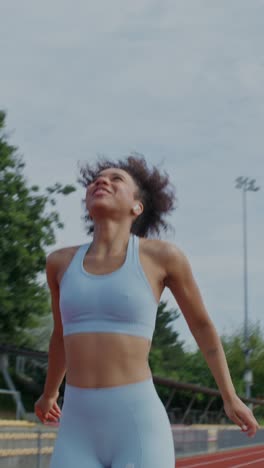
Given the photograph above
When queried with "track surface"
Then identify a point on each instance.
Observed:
(251, 457)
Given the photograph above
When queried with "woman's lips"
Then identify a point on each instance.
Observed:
(100, 191)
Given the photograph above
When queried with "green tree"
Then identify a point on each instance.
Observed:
(233, 345)
(26, 229)
(167, 354)
(196, 370)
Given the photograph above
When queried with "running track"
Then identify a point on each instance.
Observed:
(251, 457)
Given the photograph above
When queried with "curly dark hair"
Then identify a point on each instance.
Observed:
(154, 190)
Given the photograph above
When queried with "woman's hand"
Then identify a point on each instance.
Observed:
(47, 409)
(241, 415)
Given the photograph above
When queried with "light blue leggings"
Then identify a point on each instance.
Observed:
(114, 427)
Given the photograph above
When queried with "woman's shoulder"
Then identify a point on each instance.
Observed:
(169, 257)
(62, 252)
(58, 260)
(160, 249)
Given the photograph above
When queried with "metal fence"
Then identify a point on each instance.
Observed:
(237, 439)
(26, 448)
(32, 448)
(188, 441)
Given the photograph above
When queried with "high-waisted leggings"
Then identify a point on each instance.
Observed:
(114, 427)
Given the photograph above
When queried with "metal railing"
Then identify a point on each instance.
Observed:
(32, 447)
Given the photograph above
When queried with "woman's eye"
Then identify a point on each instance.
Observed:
(113, 178)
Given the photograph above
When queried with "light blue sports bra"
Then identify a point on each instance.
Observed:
(117, 302)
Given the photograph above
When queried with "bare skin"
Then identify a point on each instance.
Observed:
(110, 359)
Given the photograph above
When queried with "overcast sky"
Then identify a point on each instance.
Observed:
(179, 82)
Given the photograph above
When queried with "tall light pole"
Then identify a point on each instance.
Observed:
(246, 185)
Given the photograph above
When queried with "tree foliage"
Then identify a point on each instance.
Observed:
(166, 355)
(196, 370)
(234, 348)
(26, 229)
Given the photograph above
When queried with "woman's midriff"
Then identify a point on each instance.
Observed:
(95, 360)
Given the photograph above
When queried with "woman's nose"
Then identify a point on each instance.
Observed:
(101, 180)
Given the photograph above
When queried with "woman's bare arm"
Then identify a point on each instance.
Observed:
(183, 286)
(56, 356)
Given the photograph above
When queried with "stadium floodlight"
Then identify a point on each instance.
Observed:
(246, 185)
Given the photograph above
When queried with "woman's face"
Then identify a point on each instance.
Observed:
(112, 190)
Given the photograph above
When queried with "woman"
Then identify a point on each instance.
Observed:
(105, 296)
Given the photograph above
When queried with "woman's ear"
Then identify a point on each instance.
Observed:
(138, 208)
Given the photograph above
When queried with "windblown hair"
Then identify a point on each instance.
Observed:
(155, 192)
